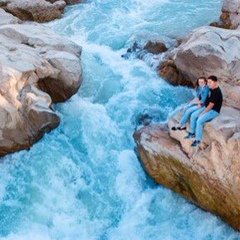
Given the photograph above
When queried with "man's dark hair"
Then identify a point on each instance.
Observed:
(213, 78)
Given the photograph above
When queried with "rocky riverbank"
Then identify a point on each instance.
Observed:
(208, 175)
(37, 68)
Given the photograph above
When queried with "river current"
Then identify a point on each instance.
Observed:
(83, 180)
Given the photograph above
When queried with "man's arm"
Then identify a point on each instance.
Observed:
(208, 108)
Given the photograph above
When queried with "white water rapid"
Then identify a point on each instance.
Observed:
(83, 180)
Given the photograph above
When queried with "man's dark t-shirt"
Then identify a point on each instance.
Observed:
(216, 98)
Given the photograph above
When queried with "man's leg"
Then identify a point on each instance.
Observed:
(187, 114)
(194, 117)
(200, 122)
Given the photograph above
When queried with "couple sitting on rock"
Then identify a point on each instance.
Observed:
(202, 109)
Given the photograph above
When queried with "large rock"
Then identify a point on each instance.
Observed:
(212, 51)
(230, 17)
(37, 10)
(231, 13)
(33, 58)
(7, 18)
(209, 175)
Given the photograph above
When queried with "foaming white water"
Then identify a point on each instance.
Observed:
(114, 23)
(83, 180)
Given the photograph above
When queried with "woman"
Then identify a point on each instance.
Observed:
(202, 92)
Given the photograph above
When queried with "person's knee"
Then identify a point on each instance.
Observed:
(200, 121)
(194, 117)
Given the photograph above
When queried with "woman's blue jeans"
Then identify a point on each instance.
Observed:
(196, 123)
(188, 110)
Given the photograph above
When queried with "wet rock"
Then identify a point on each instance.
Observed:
(172, 74)
(155, 47)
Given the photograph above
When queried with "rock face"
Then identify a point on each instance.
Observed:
(33, 58)
(210, 175)
(207, 51)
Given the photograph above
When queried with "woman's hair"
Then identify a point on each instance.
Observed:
(205, 80)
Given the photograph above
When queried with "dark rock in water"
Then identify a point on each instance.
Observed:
(143, 119)
(155, 47)
(149, 116)
(142, 47)
(132, 51)
(134, 48)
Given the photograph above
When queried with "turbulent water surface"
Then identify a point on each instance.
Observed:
(83, 180)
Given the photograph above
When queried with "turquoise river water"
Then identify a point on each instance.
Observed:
(83, 180)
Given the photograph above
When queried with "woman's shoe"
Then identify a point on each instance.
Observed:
(178, 128)
(181, 128)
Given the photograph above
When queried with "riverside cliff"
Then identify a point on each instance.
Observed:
(37, 68)
(208, 175)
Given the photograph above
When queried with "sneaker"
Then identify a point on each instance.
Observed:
(190, 135)
(178, 128)
(195, 143)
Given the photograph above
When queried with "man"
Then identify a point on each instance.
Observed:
(208, 112)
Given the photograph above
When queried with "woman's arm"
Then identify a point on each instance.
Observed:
(204, 95)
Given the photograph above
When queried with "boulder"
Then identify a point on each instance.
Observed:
(208, 175)
(155, 47)
(230, 14)
(212, 51)
(30, 56)
(7, 18)
(38, 11)
(230, 18)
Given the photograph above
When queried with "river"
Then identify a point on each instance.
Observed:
(83, 180)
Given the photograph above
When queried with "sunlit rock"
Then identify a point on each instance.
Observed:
(212, 51)
(31, 55)
(208, 175)
(7, 18)
(38, 10)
